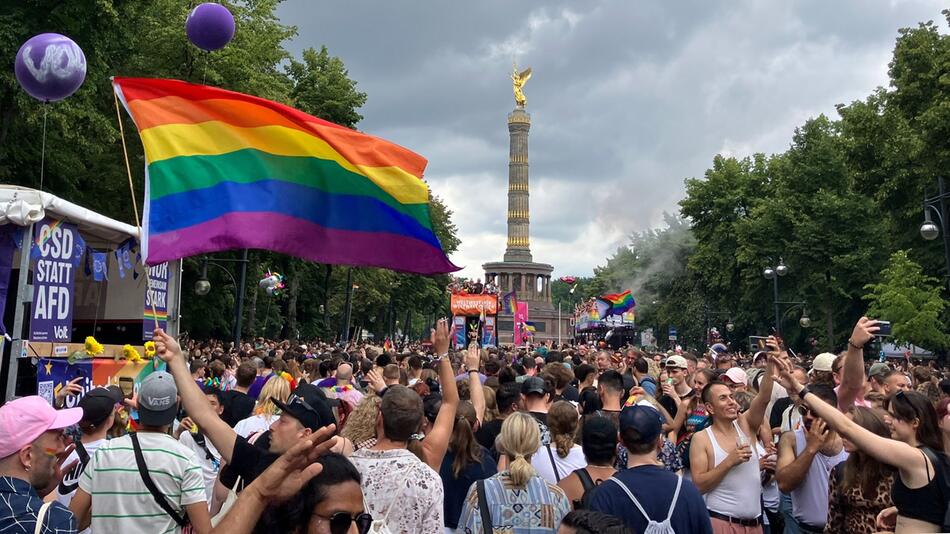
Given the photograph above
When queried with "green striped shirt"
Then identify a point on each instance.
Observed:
(120, 499)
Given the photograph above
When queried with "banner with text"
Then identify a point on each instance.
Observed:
(474, 305)
(156, 300)
(55, 250)
(52, 374)
(489, 338)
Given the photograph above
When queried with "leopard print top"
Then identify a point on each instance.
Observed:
(851, 510)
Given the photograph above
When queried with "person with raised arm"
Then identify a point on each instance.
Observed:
(915, 449)
(850, 391)
(723, 461)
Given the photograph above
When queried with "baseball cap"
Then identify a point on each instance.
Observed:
(158, 399)
(676, 361)
(308, 405)
(823, 362)
(98, 404)
(736, 375)
(879, 368)
(533, 384)
(644, 420)
(759, 355)
(25, 419)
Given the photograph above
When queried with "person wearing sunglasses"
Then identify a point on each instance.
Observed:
(806, 457)
(307, 490)
(915, 449)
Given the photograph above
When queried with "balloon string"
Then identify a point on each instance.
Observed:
(43, 149)
(135, 207)
(204, 75)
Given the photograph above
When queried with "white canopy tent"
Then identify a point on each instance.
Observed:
(23, 207)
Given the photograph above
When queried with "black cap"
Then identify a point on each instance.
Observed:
(99, 403)
(533, 384)
(308, 405)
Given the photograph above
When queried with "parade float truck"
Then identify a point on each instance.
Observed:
(78, 302)
(609, 319)
(474, 320)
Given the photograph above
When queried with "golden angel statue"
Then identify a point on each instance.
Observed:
(518, 81)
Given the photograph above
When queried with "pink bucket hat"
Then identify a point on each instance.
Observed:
(25, 419)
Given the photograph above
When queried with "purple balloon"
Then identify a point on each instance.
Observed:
(50, 67)
(210, 26)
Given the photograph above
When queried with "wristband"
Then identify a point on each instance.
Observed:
(473, 371)
(802, 392)
(851, 343)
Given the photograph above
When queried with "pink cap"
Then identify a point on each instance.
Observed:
(736, 375)
(23, 420)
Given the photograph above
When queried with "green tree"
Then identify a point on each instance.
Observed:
(912, 302)
(322, 87)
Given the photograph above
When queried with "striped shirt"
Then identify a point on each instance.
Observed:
(537, 508)
(120, 500)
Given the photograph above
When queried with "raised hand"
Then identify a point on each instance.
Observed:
(375, 380)
(293, 469)
(72, 387)
(473, 358)
(166, 347)
(440, 338)
(817, 435)
(783, 374)
(864, 331)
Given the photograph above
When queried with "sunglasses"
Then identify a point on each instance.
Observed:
(340, 522)
(805, 411)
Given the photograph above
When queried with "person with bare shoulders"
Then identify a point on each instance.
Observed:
(723, 463)
(599, 438)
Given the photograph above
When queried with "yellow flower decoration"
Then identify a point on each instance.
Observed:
(93, 347)
(131, 354)
(149, 349)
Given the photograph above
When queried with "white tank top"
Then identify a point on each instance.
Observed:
(739, 495)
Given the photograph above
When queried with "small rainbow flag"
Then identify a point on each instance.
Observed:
(619, 302)
(227, 170)
(529, 327)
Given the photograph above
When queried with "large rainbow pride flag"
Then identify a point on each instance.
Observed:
(618, 303)
(227, 170)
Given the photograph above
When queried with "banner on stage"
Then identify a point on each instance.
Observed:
(474, 304)
(56, 251)
(52, 374)
(155, 295)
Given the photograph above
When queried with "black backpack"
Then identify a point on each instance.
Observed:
(589, 485)
(941, 465)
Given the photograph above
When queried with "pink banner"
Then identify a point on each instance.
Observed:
(521, 315)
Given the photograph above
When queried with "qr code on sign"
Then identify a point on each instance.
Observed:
(45, 390)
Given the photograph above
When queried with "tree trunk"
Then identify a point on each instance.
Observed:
(830, 323)
(252, 309)
(294, 292)
(326, 298)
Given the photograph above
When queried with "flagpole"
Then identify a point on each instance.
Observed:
(559, 324)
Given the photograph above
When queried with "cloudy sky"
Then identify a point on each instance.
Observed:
(627, 99)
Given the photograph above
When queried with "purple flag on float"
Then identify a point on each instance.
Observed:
(54, 245)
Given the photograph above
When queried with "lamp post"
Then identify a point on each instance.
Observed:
(730, 326)
(203, 287)
(348, 308)
(929, 230)
(773, 274)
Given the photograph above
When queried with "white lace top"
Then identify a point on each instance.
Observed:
(399, 480)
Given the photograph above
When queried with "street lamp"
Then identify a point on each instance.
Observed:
(203, 287)
(773, 274)
(929, 230)
(730, 326)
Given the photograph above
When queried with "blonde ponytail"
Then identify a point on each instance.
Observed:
(520, 438)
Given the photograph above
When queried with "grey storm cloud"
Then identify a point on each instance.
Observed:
(627, 98)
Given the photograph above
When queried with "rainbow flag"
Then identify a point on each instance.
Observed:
(509, 302)
(529, 327)
(618, 302)
(227, 170)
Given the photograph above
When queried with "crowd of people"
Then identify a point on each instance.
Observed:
(275, 437)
